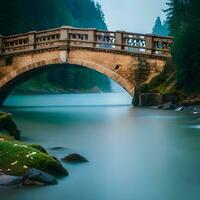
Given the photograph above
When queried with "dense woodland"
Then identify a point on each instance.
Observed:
(18, 16)
(183, 17)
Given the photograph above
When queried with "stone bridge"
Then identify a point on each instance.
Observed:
(127, 58)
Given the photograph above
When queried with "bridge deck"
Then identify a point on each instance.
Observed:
(70, 37)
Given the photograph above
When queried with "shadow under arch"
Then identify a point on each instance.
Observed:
(24, 73)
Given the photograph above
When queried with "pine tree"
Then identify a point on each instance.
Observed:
(157, 29)
(160, 28)
(165, 28)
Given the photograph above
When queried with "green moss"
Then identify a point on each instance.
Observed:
(4, 137)
(7, 124)
(17, 157)
(39, 147)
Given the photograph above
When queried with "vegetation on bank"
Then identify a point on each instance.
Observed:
(18, 16)
(163, 83)
(181, 74)
(184, 19)
(166, 83)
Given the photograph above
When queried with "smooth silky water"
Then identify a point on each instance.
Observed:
(134, 153)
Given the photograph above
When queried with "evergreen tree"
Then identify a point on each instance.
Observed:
(160, 28)
(157, 29)
(165, 28)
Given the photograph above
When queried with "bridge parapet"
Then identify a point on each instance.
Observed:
(86, 38)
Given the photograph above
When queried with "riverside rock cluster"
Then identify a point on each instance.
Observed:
(28, 164)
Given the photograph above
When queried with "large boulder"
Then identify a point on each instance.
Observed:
(18, 157)
(75, 158)
(10, 180)
(36, 177)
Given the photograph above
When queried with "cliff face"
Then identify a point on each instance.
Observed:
(18, 16)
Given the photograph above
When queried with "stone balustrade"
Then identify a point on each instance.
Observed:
(70, 37)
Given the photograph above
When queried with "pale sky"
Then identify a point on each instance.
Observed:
(132, 15)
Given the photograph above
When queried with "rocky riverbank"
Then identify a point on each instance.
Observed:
(163, 89)
(28, 164)
(17, 158)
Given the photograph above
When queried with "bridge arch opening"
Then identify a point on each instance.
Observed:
(27, 72)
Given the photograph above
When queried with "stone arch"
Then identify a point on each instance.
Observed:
(129, 87)
(6, 82)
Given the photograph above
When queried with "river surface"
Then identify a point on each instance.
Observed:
(134, 153)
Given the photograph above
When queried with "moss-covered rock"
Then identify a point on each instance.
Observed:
(8, 125)
(6, 137)
(16, 158)
(39, 147)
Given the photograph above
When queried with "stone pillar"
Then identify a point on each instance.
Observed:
(91, 37)
(1, 44)
(64, 33)
(32, 41)
(149, 44)
(64, 44)
(119, 40)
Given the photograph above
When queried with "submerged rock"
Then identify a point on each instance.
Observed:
(10, 180)
(169, 106)
(75, 158)
(36, 177)
(56, 148)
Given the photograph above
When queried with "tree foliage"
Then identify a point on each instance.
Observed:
(184, 20)
(18, 16)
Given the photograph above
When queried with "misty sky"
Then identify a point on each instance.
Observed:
(132, 15)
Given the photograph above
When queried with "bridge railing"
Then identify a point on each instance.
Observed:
(66, 37)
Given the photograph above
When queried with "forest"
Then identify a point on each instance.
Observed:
(183, 17)
(19, 16)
